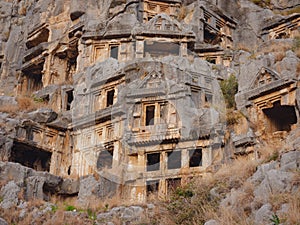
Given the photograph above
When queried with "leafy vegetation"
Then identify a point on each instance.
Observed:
(275, 219)
(70, 208)
(229, 88)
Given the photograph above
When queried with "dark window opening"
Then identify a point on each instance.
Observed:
(173, 184)
(208, 98)
(152, 187)
(174, 160)
(1, 60)
(153, 161)
(195, 158)
(76, 14)
(69, 170)
(211, 60)
(34, 78)
(160, 49)
(150, 112)
(105, 159)
(70, 98)
(114, 51)
(30, 156)
(46, 98)
(110, 98)
(190, 46)
(280, 117)
(282, 36)
(211, 37)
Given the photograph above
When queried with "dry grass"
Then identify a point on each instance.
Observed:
(24, 104)
(293, 215)
(29, 104)
(276, 47)
(279, 56)
(11, 109)
(291, 11)
(270, 152)
(243, 47)
(199, 201)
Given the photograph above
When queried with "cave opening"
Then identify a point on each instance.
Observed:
(30, 156)
(280, 117)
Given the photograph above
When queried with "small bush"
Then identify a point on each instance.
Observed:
(275, 219)
(229, 88)
(70, 208)
(54, 208)
(92, 215)
(233, 117)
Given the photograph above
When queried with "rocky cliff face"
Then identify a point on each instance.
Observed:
(96, 96)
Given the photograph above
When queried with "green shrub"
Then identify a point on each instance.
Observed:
(70, 208)
(275, 219)
(54, 208)
(92, 215)
(229, 88)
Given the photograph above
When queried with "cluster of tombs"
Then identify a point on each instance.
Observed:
(148, 124)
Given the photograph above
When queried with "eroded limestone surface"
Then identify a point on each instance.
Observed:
(133, 87)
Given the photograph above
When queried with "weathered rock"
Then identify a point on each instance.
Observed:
(285, 4)
(7, 100)
(263, 215)
(126, 214)
(9, 194)
(290, 161)
(212, 222)
(34, 187)
(42, 115)
(275, 182)
(14, 171)
(87, 185)
(3, 222)
(288, 66)
(91, 188)
(260, 174)
(69, 187)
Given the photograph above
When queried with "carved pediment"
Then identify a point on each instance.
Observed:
(154, 79)
(263, 77)
(163, 22)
